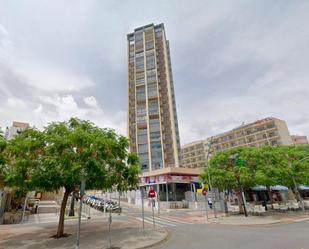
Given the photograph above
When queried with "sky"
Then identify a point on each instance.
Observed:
(233, 61)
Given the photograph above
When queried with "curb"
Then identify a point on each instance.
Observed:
(168, 235)
(265, 224)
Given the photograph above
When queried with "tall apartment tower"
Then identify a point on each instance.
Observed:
(152, 118)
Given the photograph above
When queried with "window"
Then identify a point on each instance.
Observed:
(150, 60)
(142, 136)
(152, 90)
(138, 36)
(155, 136)
(141, 110)
(143, 157)
(154, 125)
(269, 126)
(151, 76)
(139, 61)
(140, 78)
(149, 45)
(141, 119)
(140, 94)
(153, 107)
(142, 148)
(158, 32)
(140, 81)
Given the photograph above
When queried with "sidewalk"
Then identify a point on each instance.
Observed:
(93, 235)
(239, 220)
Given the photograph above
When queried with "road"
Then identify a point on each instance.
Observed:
(203, 236)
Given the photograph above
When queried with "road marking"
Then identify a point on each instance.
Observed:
(151, 222)
(163, 221)
(179, 221)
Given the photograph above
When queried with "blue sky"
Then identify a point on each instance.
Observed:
(233, 61)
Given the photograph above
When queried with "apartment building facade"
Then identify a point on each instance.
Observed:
(16, 128)
(268, 131)
(194, 155)
(152, 117)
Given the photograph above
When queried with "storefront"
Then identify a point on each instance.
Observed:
(171, 184)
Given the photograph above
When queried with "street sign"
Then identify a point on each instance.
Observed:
(205, 190)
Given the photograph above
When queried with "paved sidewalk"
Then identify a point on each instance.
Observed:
(94, 234)
(239, 220)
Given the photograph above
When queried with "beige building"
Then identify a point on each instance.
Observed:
(299, 139)
(16, 128)
(193, 155)
(267, 131)
(152, 118)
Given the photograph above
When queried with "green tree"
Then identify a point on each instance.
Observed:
(232, 169)
(73, 151)
(296, 170)
(270, 170)
(21, 156)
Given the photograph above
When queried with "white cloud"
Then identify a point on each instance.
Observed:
(91, 101)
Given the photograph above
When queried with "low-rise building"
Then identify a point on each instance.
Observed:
(16, 128)
(267, 131)
(299, 139)
(193, 155)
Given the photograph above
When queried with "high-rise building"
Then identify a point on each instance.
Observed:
(152, 117)
(299, 139)
(16, 128)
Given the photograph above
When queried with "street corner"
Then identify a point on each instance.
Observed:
(125, 237)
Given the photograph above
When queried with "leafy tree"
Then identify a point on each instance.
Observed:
(21, 156)
(72, 151)
(269, 170)
(296, 170)
(232, 169)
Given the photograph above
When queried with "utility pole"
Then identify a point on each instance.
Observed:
(82, 192)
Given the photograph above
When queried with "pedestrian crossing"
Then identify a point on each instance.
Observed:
(163, 221)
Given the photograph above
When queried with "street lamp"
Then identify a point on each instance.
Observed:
(238, 163)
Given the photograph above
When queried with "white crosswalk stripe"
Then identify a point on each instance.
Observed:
(163, 222)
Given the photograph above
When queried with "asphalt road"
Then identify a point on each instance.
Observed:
(202, 236)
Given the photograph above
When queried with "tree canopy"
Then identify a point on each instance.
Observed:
(268, 166)
(64, 154)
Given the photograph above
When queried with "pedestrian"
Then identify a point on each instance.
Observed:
(209, 202)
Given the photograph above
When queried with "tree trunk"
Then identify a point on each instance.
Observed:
(240, 204)
(62, 212)
(71, 213)
(270, 194)
(119, 198)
